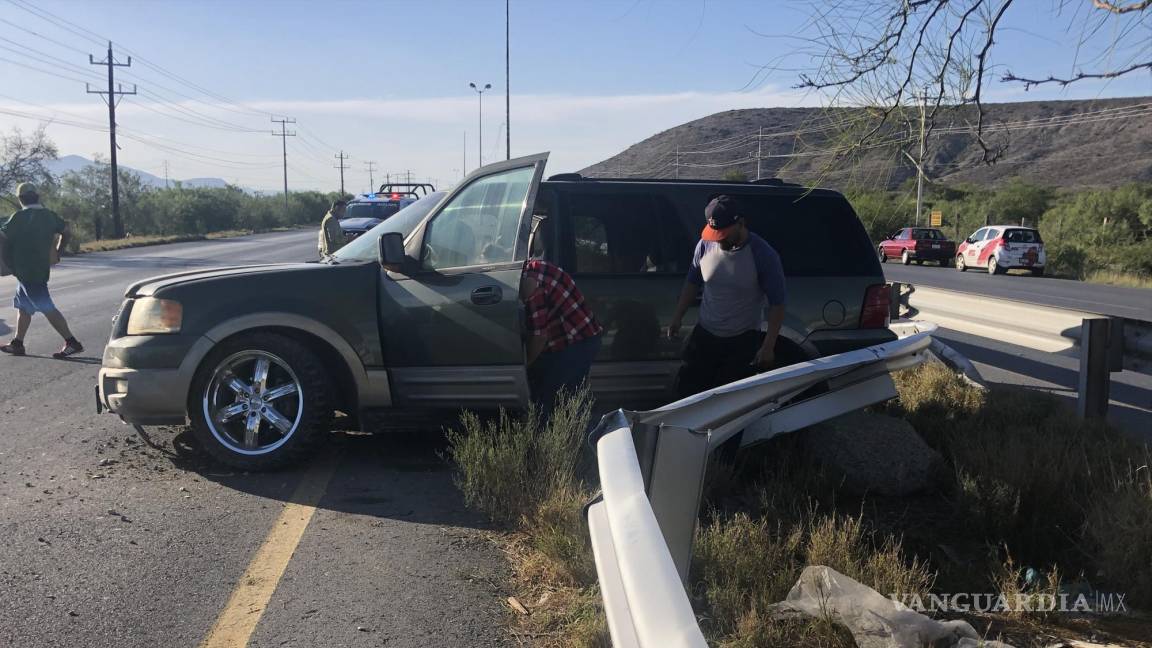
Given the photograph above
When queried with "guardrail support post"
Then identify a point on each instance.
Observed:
(1116, 344)
(1094, 369)
(894, 301)
(675, 485)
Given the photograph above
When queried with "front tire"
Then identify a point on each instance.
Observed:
(260, 401)
(943, 263)
(960, 265)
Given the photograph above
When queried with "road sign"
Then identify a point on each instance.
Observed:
(937, 218)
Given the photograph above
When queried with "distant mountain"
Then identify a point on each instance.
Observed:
(69, 163)
(1103, 142)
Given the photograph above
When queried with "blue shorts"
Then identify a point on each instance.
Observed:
(33, 298)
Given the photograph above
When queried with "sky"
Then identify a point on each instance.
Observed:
(387, 81)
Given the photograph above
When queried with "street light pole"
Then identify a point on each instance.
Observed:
(480, 136)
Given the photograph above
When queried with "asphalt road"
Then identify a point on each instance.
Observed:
(1135, 303)
(107, 542)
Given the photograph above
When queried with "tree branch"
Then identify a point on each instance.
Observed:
(1121, 9)
(1028, 83)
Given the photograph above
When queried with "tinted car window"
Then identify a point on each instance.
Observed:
(928, 235)
(624, 234)
(1022, 236)
(815, 234)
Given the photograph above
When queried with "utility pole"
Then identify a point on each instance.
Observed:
(464, 169)
(165, 174)
(507, 79)
(371, 178)
(284, 134)
(111, 97)
(920, 163)
(759, 149)
(341, 166)
(409, 172)
(676, 163)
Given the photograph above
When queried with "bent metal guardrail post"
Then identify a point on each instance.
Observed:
(652, 468)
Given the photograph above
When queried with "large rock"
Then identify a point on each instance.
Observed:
(874, 454)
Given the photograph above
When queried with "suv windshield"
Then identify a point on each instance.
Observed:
(363, 248)
(379, 210)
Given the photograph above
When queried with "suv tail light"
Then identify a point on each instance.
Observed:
(877, 302)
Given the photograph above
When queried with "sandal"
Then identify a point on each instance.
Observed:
(71, 347)
(15, 347)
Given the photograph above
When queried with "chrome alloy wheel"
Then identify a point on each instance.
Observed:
(253, 403)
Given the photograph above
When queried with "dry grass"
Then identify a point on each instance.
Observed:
(107, 245)
(1032, 477)
(530, 477)
(744, 564)
(1113, 278)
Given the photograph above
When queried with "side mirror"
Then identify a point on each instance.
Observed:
(390, 250)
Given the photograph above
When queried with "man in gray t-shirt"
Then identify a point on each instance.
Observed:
(742, 307)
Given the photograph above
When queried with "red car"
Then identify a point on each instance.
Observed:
(999, 248)
(917, 244)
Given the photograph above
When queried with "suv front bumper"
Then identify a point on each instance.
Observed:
(145, 379)
(143, 396)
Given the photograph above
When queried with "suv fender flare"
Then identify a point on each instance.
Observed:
(373, 389)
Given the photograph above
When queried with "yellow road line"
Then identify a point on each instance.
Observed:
(238, 620)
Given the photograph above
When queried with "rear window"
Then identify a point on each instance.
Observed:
(928, 235)
(379, 210)
(1022, 236)
(630, 228)
(816, 235)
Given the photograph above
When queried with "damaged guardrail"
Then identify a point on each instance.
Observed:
(652, 467)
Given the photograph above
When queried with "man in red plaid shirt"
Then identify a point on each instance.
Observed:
(563, 334)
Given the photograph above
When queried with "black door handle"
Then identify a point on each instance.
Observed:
(487, 295)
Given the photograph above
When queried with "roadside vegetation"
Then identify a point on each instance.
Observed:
(1031, 501)
(150, 215)
(1103, 235)
(533, 480)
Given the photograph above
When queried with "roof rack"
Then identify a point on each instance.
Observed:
(576, 177)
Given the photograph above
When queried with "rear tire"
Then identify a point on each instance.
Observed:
(1037, 272)
(905, 258)
(880, 253)
(994, 267)
(254, 423)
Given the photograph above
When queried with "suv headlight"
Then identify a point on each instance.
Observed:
(152, 316)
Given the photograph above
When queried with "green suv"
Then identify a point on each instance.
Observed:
(420, 317)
